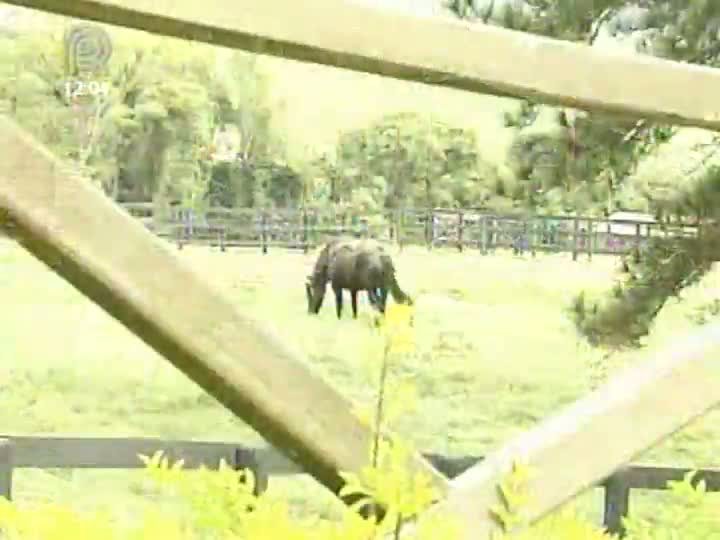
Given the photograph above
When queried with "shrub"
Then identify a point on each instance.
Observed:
(220, 505)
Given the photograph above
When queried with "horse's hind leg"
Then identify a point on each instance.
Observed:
(353, 300)
(374, 300)
(338, 301)
(382, 301)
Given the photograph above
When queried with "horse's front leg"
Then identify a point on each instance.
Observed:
(353, 300)
(338, 301)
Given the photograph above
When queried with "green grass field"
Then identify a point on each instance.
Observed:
(495, 355)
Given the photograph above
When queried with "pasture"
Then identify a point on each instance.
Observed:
(495, 354)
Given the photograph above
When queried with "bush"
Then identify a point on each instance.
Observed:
(221, 505)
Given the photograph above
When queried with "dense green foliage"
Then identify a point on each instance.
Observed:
(221, 505)
(405, 160)
(587, 161)
(581, 162)
(651, 276)
(150, 135)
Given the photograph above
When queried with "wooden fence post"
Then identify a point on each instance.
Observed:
(491, 229)
(430, 229)
(6, 468)
(263, 233)
(617, 503)
(305, 234)
(576, 230)
(399, 234)
(337, 224)
(179, 231)
(245, 458)
(484, 235)
(533, 237)
(461, 224)
(221, 238)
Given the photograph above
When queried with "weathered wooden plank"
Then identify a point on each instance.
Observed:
(657, 478)
(122, 453)
(477, 58)
(110, 257)
(111, 453)
(64, 452)
(276, 464)
(585, 443)
(618, 487)
(37, 451)
(6, 468)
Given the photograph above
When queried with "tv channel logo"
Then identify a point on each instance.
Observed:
(87, 49)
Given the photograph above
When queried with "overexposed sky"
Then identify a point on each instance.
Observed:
(319, 102)
(419, 8)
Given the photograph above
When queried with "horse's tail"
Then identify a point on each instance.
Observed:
(391, 281)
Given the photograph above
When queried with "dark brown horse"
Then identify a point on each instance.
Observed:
(355, 265)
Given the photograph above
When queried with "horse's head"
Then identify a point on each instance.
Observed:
(309, 292)
(315, 292)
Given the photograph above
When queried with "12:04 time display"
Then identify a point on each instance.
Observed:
(78, 88)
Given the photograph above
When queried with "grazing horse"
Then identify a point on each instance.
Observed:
(355, 265)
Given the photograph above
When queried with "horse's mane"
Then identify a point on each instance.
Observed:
(322, 262)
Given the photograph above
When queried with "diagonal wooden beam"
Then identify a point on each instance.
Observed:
(110, 257)
(477, 58)
(595, 436)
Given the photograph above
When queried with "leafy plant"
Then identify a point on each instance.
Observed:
(693, 514)
(220, 504)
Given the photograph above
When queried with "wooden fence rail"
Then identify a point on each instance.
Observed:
(17, 452)
(458, 228)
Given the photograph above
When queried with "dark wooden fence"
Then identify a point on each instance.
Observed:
(462, 229)
(115, 453)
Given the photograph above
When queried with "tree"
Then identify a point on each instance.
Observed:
(150, 135)
(407, 160)
(685, 31)
(601, 155)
